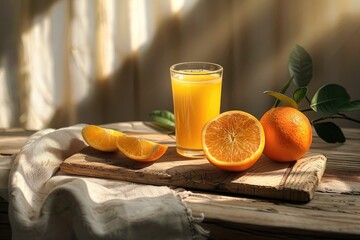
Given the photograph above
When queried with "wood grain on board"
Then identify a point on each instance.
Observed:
(295, 181)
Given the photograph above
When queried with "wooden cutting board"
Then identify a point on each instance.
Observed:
(294, 181)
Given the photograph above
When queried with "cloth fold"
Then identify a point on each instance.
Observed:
(47, 204)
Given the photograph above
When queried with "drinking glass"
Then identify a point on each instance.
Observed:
(196, 89)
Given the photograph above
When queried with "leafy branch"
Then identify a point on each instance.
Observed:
(163, 118)
(330, 100)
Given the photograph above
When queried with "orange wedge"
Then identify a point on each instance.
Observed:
(100, 138)
(139, 149)
(233, 140)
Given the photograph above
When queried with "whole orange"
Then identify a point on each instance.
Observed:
(288, 134)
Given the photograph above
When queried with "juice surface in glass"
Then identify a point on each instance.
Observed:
(197, 97)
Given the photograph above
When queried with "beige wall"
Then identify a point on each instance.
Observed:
(64, 66)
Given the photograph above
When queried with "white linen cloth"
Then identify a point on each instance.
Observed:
(47, 204)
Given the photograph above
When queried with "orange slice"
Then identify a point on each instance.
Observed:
(233, 140)
(139, 149)
(100, 138)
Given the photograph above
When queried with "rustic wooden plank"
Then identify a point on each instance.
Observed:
(343, 165)
(221, 230)
(11, 140)
(291, 181)
(327, 215)
(5, 228)
(305, 177)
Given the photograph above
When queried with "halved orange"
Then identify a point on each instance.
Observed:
(100, 138)
(233, 140)
(140, 149)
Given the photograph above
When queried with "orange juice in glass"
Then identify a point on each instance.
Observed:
(196, 88)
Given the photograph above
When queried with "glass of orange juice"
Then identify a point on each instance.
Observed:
(196, 88)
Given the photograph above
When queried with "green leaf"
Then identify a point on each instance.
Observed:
(329, 132)
(300, 94)
(350, 106)
(163, 118)
(283, 98)
(283, 90)
(329, 99)
(300, 66)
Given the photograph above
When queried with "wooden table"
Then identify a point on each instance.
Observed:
(334, 212)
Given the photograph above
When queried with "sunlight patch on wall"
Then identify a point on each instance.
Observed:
(82, 49)
(353, 7)
(335, 13)
(137, 17)
(38, 65)
(177, 5)
(5, 115)
(106, 38)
